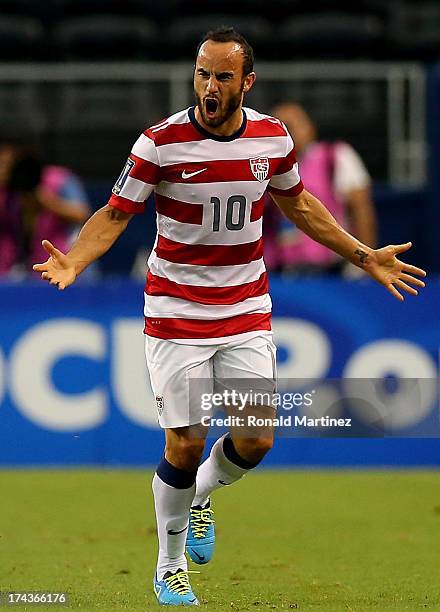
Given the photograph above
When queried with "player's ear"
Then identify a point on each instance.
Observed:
(249, 80)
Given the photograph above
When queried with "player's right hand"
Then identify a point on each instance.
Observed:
(58, 269)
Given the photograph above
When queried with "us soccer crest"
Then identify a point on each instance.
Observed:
(159, 403)
(260, 168)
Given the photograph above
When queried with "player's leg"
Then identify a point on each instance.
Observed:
(227, 463)
(240, 364)
(223, 467)
(233, 455)
(252, 442)
(171, 367)
(173, 489)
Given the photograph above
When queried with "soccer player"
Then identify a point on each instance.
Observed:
(207, 308)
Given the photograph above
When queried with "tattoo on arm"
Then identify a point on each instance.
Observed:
(363, 256)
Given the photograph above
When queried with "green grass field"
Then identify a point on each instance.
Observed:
(286, 540)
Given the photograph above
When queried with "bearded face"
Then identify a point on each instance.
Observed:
(216, 110)
(219, 82)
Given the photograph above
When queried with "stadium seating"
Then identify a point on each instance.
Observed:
(415, 30)
(198, 8)
(78, 29)
(115, 112)
(107, 38)
(21, 38)
(337, 104)
(149, 9)
(108, 105)
(185, 33)
(21, 111)
(26, 8)
(330, 35)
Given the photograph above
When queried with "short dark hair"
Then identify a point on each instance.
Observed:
(229, 34)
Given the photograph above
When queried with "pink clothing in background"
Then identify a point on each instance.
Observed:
(317, 173)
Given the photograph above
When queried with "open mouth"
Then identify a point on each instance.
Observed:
(211, 106)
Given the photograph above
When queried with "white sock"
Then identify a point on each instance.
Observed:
(217, 471)
(172, 510)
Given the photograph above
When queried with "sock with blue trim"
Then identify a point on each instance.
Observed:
(223, 467)
(173, 491)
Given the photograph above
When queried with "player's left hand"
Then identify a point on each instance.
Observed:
(394, 274)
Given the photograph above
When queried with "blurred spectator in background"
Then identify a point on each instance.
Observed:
(36, 202)
(335, 173)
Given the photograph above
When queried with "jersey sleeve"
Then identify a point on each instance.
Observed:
(138, 178)
(286, 180)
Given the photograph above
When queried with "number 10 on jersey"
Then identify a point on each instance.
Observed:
(235, 213)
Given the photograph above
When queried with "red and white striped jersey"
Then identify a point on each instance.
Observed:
(207, 278)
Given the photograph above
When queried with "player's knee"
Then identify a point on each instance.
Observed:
(253, 449)
(261, 446)
(186, 452)
(194, 449)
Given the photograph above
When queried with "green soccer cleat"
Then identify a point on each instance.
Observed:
(200, 541)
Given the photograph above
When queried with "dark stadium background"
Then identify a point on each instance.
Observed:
(54, 93)
(80, 79)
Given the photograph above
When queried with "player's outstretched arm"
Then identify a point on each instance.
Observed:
(96, 237)
(311, 216)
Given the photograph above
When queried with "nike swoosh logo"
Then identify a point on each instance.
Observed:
(172, 532)
(192, 600)
(225, 483)
(201, 557)
(187, 175)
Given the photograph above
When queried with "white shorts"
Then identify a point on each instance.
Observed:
(177, 370)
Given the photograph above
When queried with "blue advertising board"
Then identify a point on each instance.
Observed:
(74, 388)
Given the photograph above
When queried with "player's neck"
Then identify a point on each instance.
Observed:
(229, 127)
